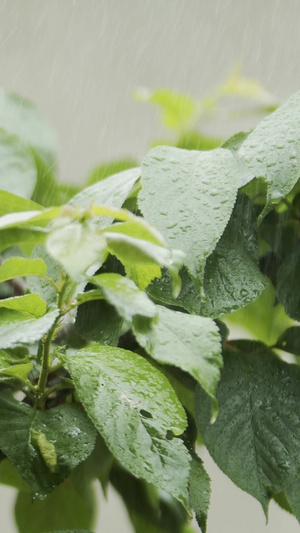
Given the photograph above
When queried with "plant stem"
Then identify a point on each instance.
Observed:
(46, 352)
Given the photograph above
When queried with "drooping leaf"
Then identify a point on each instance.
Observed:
(255, 438)
(50, 443)
(149, 510)
(125, 296)
(272, 150)
(21, 117)
(136, 411)
(17, 170)
(31, 304)
(199, 489)
(232, 277)
(17, 327)
(21, 266)
(112, 192)
(191, 222)
(190, 342)
(65, 507)
(76, 246)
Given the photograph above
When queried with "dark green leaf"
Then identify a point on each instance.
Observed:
(190, 342)
(255, 439)
(50, 443)
(288, 284)
(289, 341)
(292, 494)
(9, 476)
(98, 321)
(64, 508)
(136, 411)
(199, 488)
(150, 511)
(172, 173)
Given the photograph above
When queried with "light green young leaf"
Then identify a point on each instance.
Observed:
(110, 168)
(199, 489)
(76, 247)
(19, 266)
(137, 422)
(11, 203)
(189, 342)
(255, 439)
(272, 150)
(50, 443)
(21, 117)
(191, 222)
(17, 170)
(135, 253)
(17, 327)
(125, 296)
(31, 304)
(112, 192)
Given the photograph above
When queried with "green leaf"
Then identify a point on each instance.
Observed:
(125, 296)
(109, 168)
(41, 286)
(193, 140)
(17, 327)
(139, 423)
(11, 203)
(47, 191)
(21, 117)
(10, 477)
(50, 443)
(112, 192)
(9, 367)
(189, 298)
(288, 284)
(172, 173)
(190, 342)
(292, 495)
(272, 150)
(232, 276)
(255, 439)
(178, 109)
(235, 141)
(18, 237)
(17, 170)
(65, 507)
(199, 489)
(29, 303)
(289, 341)
(19, 266)
(98, 321)
(76, 246)
(150, 511)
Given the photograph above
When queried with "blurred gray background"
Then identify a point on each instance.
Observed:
(80, 60)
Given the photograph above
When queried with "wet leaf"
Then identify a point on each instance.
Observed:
(135, 410)
(17, 327)
(50, 443)
(255, 438)
(199, 489)
(30, 304)
(20, 267)
(17, 170)
(189, 342)
(171, 173)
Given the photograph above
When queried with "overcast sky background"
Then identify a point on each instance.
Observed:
(80, 61)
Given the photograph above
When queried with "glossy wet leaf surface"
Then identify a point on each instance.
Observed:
(191, 222)
(136, 411)
(190, 342)
(255, 438)
(18, 327)
(44, 446)
(199, 489)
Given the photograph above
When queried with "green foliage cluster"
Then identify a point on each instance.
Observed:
(115, 303)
